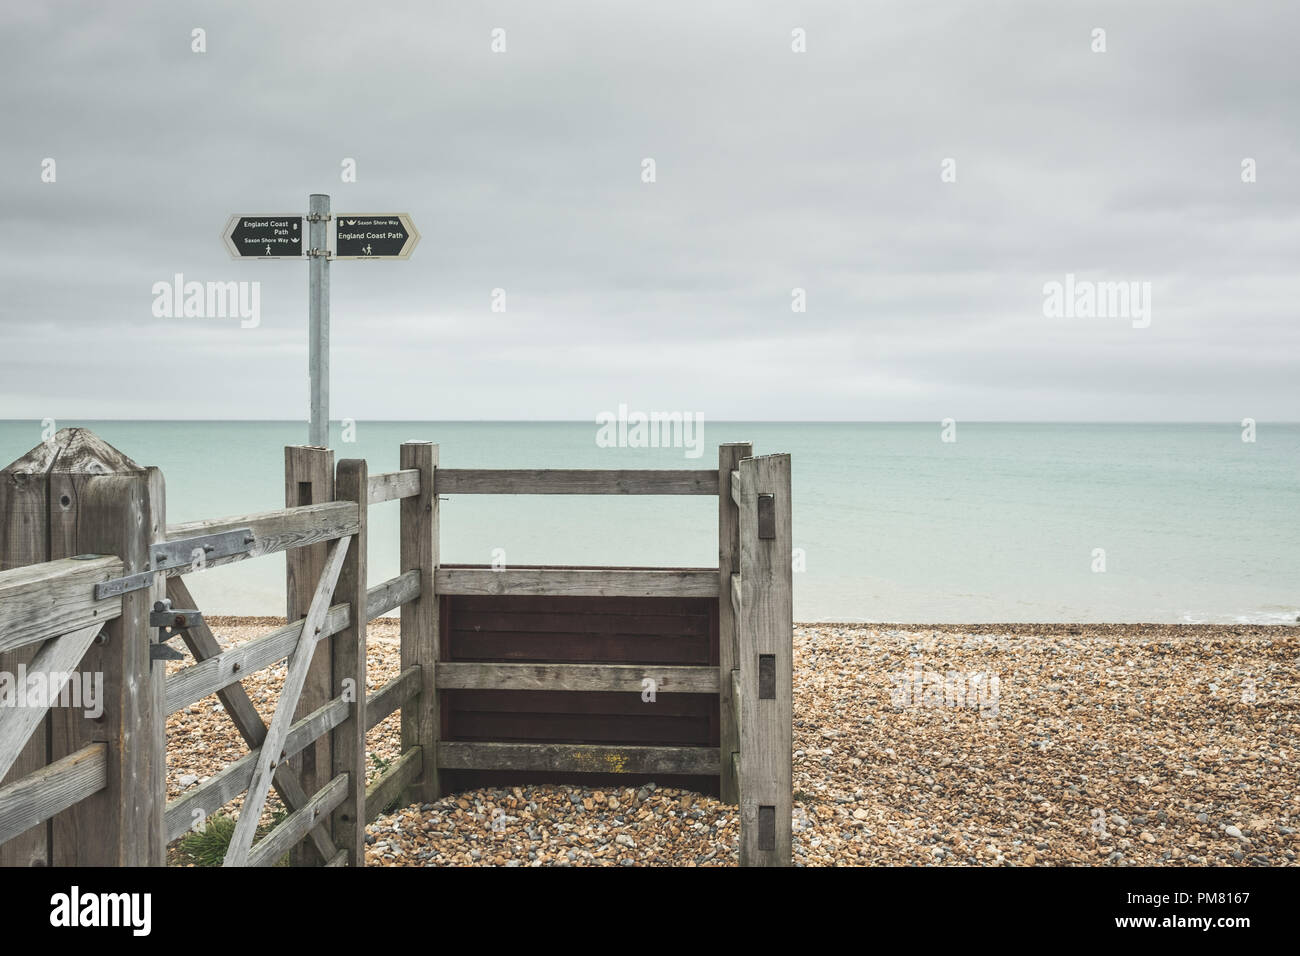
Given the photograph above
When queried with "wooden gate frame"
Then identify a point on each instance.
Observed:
(105, 800)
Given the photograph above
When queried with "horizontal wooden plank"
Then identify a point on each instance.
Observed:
(278, 530)
(392, 695)
(285, 836)
(656, 582)
(653, 727)
(542, 648)
(561, 604)
(243, 660)
(233, 780)
(575, 481)
(393, 485)
(209, 676)
(52, 789)
(577, 758)
(45, 600)
(596, 705)
(572, 622)
(392, 593)
(574, 677)
(389, 785)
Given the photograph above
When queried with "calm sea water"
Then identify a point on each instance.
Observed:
(893, 523)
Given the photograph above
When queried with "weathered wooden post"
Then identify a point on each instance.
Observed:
(766, 660)
(25, 539)
(75, 494)
(121, 825)
(729, 456)
(309, 480)
(349, 737)
(420, 625)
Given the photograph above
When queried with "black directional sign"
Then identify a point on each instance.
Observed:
(374, 236)
(263, 237)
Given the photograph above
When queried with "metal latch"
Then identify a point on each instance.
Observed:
(179, 552)
(170, 622)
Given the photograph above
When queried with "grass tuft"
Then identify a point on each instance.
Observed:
(208, 847)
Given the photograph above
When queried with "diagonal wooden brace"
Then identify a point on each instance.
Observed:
(55, 662)
(268, 756)
(203, 645)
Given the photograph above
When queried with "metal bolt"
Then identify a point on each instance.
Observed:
(235, 667)
(102, 638)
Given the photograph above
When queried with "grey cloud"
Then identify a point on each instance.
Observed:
(775, 170)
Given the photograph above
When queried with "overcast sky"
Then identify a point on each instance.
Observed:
(775, 170)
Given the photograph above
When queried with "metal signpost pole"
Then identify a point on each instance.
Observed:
(318, 334)
(374, 236)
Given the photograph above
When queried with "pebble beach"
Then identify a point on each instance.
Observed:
(987, 745)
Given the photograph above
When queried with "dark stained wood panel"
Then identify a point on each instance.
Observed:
(577, 629)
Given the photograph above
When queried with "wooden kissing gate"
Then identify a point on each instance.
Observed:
(523, 674)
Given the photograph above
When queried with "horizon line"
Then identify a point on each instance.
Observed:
(589, 421)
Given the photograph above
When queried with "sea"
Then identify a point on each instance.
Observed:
(893, 522)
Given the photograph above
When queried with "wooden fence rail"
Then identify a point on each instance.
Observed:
(647, 582)
(393, 485)
(47, 600)
(32, 800)
(552, 481)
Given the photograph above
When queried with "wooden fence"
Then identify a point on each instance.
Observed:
(85, 552)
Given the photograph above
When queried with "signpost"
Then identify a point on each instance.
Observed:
(358, 236)
(263, 237)
(375, 236)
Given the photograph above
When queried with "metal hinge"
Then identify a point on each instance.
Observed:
(177, 553)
